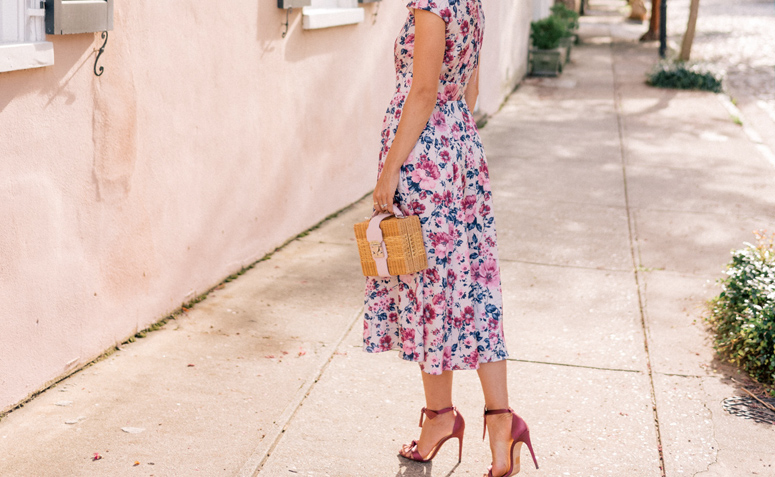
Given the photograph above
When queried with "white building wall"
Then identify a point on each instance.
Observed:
(541, 8)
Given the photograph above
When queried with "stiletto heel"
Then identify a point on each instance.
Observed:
(520, 433)
(457, 431)
(530, 447)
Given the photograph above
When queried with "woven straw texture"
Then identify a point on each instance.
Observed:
(403, 240)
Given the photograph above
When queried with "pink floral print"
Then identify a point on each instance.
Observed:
(449, 316)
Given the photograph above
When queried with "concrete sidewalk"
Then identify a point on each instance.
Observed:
(617, 206)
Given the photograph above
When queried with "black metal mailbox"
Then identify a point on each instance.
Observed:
(293, 3)
(78, 16)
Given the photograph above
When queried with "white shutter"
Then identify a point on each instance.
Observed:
(10, 21)
(35, 21)
(23, 36)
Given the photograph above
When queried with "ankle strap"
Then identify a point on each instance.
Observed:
(492, 411)
(431, 413)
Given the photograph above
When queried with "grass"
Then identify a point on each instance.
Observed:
(688, 76)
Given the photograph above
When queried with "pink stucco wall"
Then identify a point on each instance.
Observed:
(504, 61)
(208, 141)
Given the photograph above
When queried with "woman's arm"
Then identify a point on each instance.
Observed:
(472, 90)
(429, 46)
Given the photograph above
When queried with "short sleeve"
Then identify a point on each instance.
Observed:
(439, 7)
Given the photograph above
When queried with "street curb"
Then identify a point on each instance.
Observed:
(752, 134)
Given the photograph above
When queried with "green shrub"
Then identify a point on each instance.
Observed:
(569, 16)
(743, 315)
(681, 75)
(547, 32)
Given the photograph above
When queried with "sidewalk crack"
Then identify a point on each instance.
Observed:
(634, 249)
(600, 368)
(713, 433)
(561, 265)
(269, 443)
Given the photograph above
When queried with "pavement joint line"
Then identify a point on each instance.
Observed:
(679, 273)
(252, 467)
(599, 368)
(752, 133)
(680, 375)
(562, 265)
(553, 201)
(634, 249)
(569, 202)
(693, 212)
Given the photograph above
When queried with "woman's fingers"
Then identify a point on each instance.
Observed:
(383, 204)
(384, 192)
(383, 201)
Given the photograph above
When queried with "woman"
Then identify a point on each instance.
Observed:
(432, 164)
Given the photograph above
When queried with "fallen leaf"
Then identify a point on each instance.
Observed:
(136, 463)
(97, 456)
(133, 430)
(302, 352)
(190, 365)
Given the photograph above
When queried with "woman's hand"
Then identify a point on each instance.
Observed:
(386, 190)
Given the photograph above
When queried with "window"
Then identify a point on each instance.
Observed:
(329, 13)
(23, 35)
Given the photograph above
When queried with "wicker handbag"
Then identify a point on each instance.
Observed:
(391, 244)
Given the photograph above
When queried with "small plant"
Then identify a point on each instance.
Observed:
(743, 315)
(547, 32)
(569, 16)
(680, 75)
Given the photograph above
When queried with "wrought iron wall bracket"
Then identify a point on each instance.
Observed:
(100, 52)
(287, 20)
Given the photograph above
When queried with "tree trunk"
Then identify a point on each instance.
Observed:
(638, 10)
(653, 33)
(686, 45)
(570, 4)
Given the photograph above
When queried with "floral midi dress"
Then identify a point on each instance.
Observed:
(448, 317)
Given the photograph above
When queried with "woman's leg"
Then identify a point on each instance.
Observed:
(496, 396)
(438, 395)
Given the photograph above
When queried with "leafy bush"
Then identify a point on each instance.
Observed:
(547, 32)
(564, 13)
(681, 75)
(743, 315)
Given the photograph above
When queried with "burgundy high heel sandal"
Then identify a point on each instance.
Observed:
(519, 432)
(457, 431)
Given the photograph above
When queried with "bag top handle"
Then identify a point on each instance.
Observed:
(377, 243)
